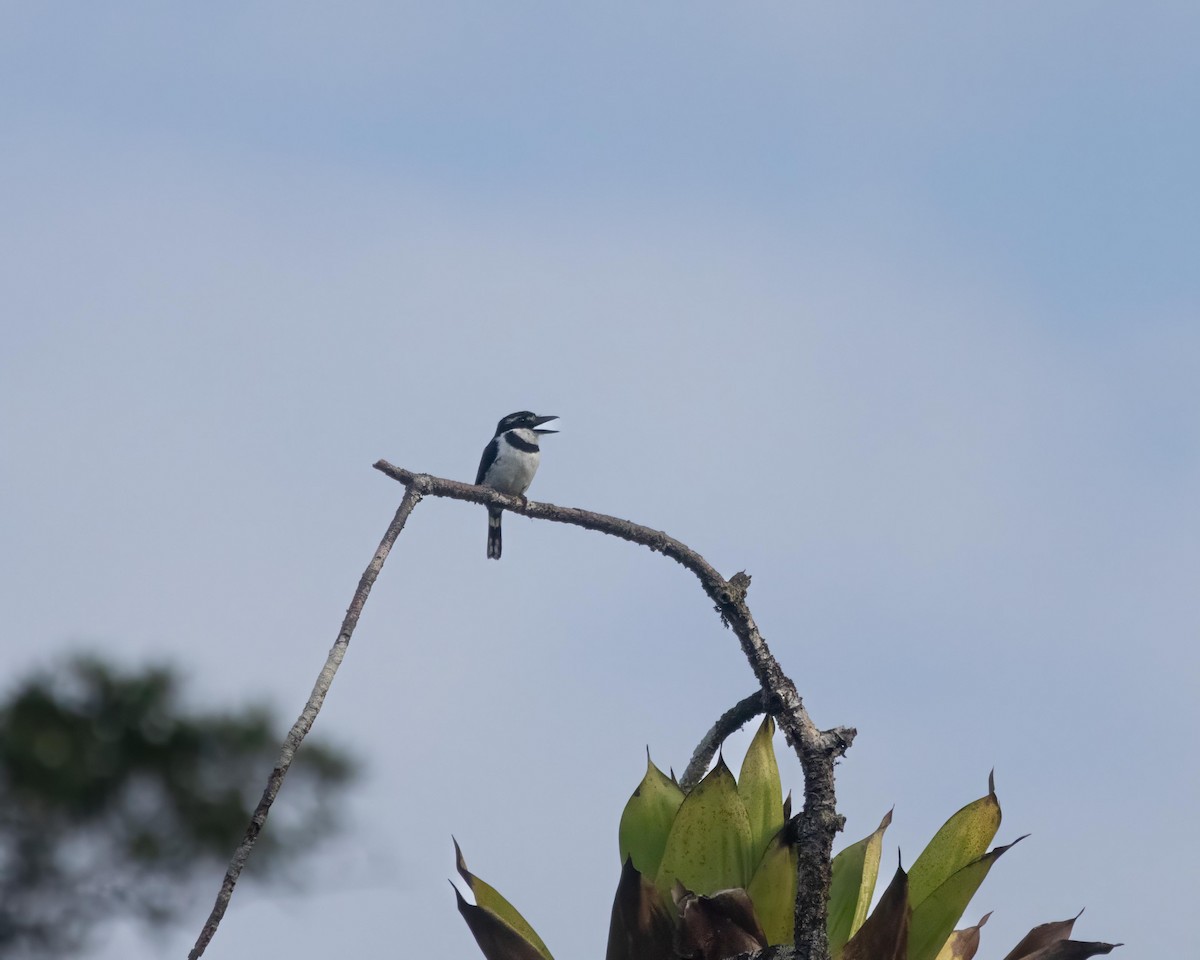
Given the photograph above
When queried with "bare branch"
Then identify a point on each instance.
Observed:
(732, 719)
(817, 751)
(654, 539)
(305, 721)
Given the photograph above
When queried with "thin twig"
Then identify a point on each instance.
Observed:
(303, 724)
(731, 720)
(816, 750)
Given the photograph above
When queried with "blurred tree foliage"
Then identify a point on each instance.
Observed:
(115, 800)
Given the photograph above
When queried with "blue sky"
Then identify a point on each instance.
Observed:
(896, 309)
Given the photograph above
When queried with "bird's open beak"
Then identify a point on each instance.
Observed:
(540, 420)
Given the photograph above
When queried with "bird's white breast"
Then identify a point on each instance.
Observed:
(514, 469)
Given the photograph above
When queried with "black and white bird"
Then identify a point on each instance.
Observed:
(509, 462)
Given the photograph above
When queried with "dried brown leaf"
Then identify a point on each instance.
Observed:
(884, 935)
(641, 927)
(1071, 950)
(1041, 936)
(963, 944)
(717, 926)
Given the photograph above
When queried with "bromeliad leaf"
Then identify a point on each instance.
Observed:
(773, 887)
(963, 944)
(641, 927)
(884, 935)
(489, 899)
(855, 870)
(708, 848)
(760, 789)
(496, 939)
(646, 820)
(962, 839)
(934, 918)
(1043, 935)
(717, 927)
(1071, 950)
(1048, 941)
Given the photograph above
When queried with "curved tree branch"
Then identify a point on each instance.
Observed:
(304, 722)
(731, 720)
(816, 750)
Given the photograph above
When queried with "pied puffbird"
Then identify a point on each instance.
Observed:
(509, 462)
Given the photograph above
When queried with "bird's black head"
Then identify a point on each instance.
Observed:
(523, 420)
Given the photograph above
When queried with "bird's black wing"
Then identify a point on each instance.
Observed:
(489, 457)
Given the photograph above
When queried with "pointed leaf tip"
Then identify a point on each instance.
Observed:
(760, 789)
(496, 939)
(641, 928)
(855, 871)
(961, 840)
(933, 919)
(1068, 950)
(885, 934)
(646, 819)
(963, 944)
(493, 903)
(708, 848)
(1042, 937)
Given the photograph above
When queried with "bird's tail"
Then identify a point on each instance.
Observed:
(494, 534)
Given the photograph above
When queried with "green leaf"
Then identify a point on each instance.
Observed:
(491, 900)
(963, 839)
(855, 870)
(773, 887)
(646, 820)
(496, 939)
(760, 789)
(708, 848)
(934, 918)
